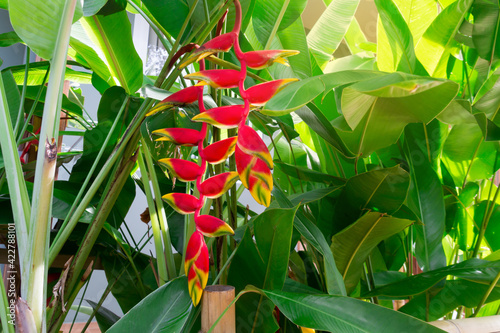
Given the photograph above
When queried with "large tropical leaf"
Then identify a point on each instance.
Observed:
(352, 246)
(164, 310)
(426, 201)
(435, 46)
(399, 49)
(37, 23)
(454, 294)
(400, 37)
(170, 14)
(382, 190)
(386, 105)
(342, 314)
(294, 38)
(298, 94)
(37, 72)
(327, 33)
(112, 39)
(485, 33)
(473, 269)
(270, 16)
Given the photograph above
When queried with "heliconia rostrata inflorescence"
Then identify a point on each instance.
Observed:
(253, 160)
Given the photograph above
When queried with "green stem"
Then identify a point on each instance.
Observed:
(162, 267)
(20, 115)
(485, 297)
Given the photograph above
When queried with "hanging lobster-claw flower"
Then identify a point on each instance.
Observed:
(217, 185)
(179, 136)
(260, 94)
(196, 266)
(218, 44)
(216, 78)
(263, 59)
(182, 203)
(219, 151)
(251, 143)
(182, 97)
(186, 171)
(222, 117)
(211, 226)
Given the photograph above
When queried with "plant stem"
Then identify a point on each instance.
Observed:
(20, 115)
(162, 267)
(35, 278)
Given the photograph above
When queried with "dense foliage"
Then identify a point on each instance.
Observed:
(385, 195)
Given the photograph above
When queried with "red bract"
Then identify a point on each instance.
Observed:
(220, 43)
(263, 59)
(211, 226)
(179, 136)
(260, 94)
(185, 96)
(216, 78)
(222, 117)
(218, 152)
(197, 266)
(183, 203)
(216, 186)
(184, 170)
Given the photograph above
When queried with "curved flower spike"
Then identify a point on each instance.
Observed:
(216, 186)
(182, 203)
(219, 151)
(179, 136)
(216, 78)
(251, 143)
(263, 59)
(185, 96)
(260, 94)
(184, 170)
(222, 117)
(218, 44)
(211, 226)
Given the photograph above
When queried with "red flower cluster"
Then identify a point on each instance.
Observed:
(253, 160)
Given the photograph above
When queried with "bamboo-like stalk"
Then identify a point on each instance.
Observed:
(35, 277)
(20, 201)
(155, 224)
